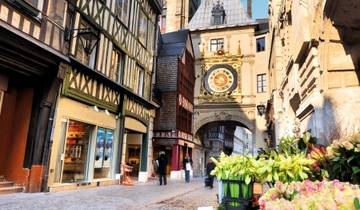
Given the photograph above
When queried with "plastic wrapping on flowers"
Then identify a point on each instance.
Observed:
(307, 195)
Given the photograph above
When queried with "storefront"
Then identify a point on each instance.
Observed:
(85, 147)
(176, 146)
(138, 131)
(29, 83)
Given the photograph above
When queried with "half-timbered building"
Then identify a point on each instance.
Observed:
(75, 80)
(105, 103)
(32, 67)
(175, 83)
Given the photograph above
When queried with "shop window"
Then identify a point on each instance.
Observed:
(122, 10)
(117, 66)
(260, 44)
(142, 27)
(103, 153)
(216, 44)
(76, 152)
(56, 11)
(86, 45)
(261, 83)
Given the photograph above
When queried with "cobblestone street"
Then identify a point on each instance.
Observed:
(175, 195)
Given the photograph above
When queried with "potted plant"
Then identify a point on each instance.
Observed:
(237, 174)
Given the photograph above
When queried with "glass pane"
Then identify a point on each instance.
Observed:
(60, 152)
(76, 151)
(56, 11)
(103, 153)
(125, 11)
(142, 28)
(141, 83)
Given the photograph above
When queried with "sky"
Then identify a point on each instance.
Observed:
(259, 8)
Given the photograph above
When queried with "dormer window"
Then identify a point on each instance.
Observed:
(218, 14)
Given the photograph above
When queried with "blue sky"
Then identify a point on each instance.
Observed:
(259, 8)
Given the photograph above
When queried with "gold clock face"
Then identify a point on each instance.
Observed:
(220, 80)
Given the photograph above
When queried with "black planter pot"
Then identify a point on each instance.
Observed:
(240, 202)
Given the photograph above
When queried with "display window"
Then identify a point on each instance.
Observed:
(103, 152)
(85, 152)
(76, 151)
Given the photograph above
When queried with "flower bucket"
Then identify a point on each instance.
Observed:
(236, 194)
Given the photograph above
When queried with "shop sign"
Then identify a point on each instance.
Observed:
(184, 135)
(167, 134)
(183, 102)
(173, 134)
(137, 109)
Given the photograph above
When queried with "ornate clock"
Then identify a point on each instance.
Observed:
(220, 78)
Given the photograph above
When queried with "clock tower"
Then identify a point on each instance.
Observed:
(231, 72)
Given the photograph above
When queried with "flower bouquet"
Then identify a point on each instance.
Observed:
(307, 195)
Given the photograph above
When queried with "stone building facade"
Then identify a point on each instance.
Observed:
(175, 84)
(231, 90)
(313, 68)
(176, 14)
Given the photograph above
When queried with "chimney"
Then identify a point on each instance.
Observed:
(249, 8)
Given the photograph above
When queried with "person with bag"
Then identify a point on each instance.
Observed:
(162, 162)
(187, 165)
(209, 180)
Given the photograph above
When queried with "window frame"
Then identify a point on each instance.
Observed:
(141, 82)
(260, 48)
(261, 83)
(54, 18)
(142, 40)
(120, 63)
(216, 44)
(120, 15)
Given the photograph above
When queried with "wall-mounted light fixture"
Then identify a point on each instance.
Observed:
(107, 112)
(261, 109)
(87, 37)
(96, 108)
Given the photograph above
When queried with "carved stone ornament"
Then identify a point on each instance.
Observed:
(222, 116)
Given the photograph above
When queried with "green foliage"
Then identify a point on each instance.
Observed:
(284, 168)
(357, 203)
(343, 159)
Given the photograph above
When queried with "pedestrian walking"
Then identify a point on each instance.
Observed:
(162, 161)
(209, 178)
(187, 165)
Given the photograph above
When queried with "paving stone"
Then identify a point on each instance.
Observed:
(175, 195)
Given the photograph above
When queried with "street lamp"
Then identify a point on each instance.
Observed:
(261, 109)
(88, 37)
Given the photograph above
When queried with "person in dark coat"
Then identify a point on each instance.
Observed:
(210, 178)
(162, 162)
(187, 164)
